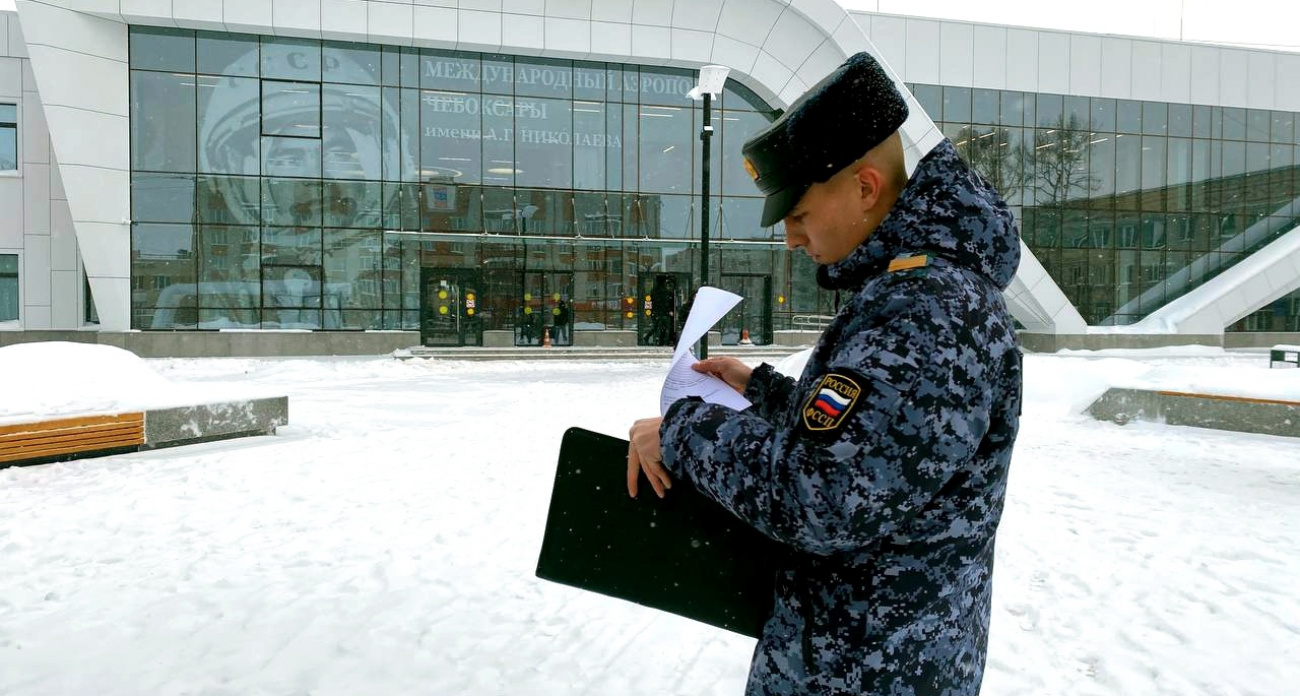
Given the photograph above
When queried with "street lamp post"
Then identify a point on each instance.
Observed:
(712, 78)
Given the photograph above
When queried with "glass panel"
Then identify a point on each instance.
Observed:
(156, 48)
(226, 54)
(291, 109)
(228, 200)
(503, 123)
(741, 217)
(1102, 168)
(8, 148)
(450, 70)
(351, 63)
(986, 106)
(353, 204)
(1283, 130)
(291, 157)
(956, 104)
(665, 86)
(1201, 119)
(1128, 168)
(1234, 124)
(229, 124)
(291, 297)
(1180, 173)
(9, 114)
(163, 292)
(1154, 178)
(1128, 116)
(352, 270)
(931, 99)
(1013, 109)
(590, 145)
(401, 206)
(1155, 118)
(715, 153)
(1180, 120)
(538, 77)
(292, 246)
(291, 202)
(400, 126)
(498, 74)
(1257, 125)
(590, 218)
(351, 135)
(545, 212)
(291, 59)
(665, 149)
(1103, 115)
(449, 207)
(450, 144)
(1051, 110)
(544, 142)
(162, 198)
(8, 287)
(589, 80)
(737, 127)
(162, 122)
(229, 272)
(1078, 113)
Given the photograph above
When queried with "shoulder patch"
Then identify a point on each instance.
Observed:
(907, 263)
(832, 400)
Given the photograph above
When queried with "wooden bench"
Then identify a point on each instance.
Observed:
(68, 438)
(1284, 355)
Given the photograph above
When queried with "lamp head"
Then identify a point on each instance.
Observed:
(712, 78)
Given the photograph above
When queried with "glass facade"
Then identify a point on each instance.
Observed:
(287, 183)
(1129, 204)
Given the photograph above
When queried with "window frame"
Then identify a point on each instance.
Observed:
(18, 141)
(18, 278)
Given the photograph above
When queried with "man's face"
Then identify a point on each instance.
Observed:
(829, 221)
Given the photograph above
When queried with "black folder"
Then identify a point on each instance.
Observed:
(683, 554)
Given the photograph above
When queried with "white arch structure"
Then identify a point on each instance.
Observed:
(778, 48)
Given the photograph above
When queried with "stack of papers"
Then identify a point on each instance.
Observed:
(710, 305)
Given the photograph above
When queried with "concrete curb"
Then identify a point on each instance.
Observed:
(1237, 414)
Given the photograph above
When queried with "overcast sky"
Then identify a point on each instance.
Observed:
(1264, 23)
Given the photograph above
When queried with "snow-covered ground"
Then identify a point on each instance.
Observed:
(384, 543)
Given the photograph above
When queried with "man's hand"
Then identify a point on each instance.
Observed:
(643, 454)
(730, 370)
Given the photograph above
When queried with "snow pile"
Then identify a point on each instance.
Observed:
(54, 379)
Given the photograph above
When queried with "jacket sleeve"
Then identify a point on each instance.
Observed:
(769, 391)
(919, 416)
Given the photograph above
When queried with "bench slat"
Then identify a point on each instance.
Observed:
(66, 433)
(54, 450)
(64, 423)
(71, 439)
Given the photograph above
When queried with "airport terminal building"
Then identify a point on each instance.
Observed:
(217, 177)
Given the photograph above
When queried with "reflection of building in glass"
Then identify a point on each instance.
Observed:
(1130, 205)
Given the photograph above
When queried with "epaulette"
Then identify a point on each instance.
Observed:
(907, 263)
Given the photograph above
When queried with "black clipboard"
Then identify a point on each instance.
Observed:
(684, 554)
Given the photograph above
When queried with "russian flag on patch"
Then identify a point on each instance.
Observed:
(830, 403)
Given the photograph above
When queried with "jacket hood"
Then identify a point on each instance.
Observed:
(947, 210)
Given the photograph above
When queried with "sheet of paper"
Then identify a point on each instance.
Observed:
(709, 306)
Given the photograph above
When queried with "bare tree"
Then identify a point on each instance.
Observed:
(1060, 162)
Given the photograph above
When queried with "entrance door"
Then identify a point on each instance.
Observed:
(546, 306)
(662, 297)
(449, 307)
(753, 314)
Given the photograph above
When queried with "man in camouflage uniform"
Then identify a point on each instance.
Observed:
(884, 467)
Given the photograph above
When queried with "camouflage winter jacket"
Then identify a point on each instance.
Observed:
(884, 467)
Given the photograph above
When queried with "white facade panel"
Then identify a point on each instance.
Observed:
(484, 5)
(1053, 62)
(1116, 68)
(35, 273)
(655, 43)
(343, 19)
(11, 223)
(700, 15)
(611, 11)
(923, 50)
(1085, 65)
(253, 16)
(575, 9)
(611, 39)
(823, 61)
(1176, 73)
(145, 10)
(64, 301)
(561, 35)
(793, 39)
(956, 54)
(735, 54)
(1260, 86)
(36, 212)
(691, 45)
(1022, 60)
(4, 34)
(990, 61)
(889, 36)
(392, 23)
(63, 238)
(36, 317)
(657, 13)
(750, 21)
(529, 34)
(1287, 90)
(1204, 81)
(101, 85)
(479, 31)
(852, 38)
(11, 78)
(434, 26)
(1233, 66)
(822, 13)
(1146, 70)
(295, 18)
(207, 14)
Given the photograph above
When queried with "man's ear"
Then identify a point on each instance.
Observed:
(870, 185)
